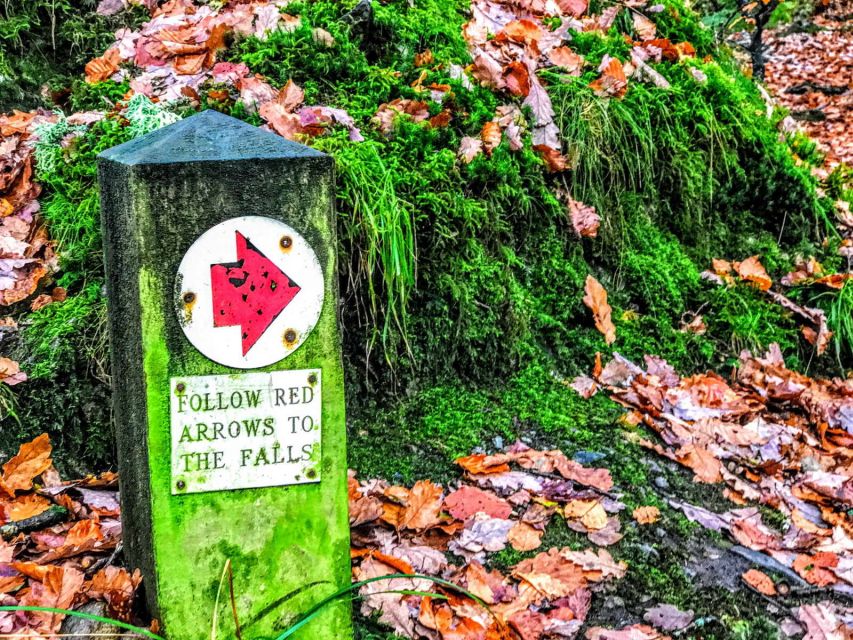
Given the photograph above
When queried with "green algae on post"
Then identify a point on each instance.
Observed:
(227, 453)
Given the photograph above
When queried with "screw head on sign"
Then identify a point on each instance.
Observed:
(180, 387)
(286, 242)
(290, 336)
(312, 379)
(311, 473)
(181, 485)
(189, 297)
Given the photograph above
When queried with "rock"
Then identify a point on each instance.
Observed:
(83, 628)
(588, 457)
(360, 17)
(661, 483)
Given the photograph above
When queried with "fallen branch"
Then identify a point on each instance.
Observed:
(48, 518)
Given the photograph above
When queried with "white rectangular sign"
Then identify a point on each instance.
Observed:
(245, 430)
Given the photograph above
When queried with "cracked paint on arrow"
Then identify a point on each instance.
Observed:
(249, 293)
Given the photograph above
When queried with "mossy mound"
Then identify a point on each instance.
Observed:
(459, 278)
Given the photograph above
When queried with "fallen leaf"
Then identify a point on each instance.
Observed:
(753, 271)
(612, 83)
(668, 618)
(423, 508)
(10, 372)
(596, 300)
(491, 135)
(524, 537)
(760, 581)
(466, 501)
(585, 220)
(646, 515)
(32, 459)
(816, 568)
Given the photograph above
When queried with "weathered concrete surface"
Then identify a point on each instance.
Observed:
(158, 194)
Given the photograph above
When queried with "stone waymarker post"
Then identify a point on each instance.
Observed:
(219, 243)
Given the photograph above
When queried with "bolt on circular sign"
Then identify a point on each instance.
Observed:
(249, 291)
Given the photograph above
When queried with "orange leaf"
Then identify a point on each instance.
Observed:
(424, 59)
(116, 586)
(480, 463)
(555, 161)
(753, 271)
(26, 506)
(760, 581)
(524, 537)
(32, 460)
(646, 515)
(835, 280)
(612, 82)
(101, 68)
(491, 136)
(517, 78)
(816, 568)
(567, 59)
(423, 506)
(525, 31)
(596, 300)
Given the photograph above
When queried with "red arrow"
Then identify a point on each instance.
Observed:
(251, 292)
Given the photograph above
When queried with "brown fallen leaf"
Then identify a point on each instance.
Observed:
(551, 574)
(816, 568)
(567, 59)
(117, 587)
(596, 300)
(103, 67)
(423, 508)
(634, 632)
(516, 79)
(32, 459)
(646, 515)
(424, 58)
(10, 372)
(524, 537)
(585, 220)
(482, 464)
(760, 581)
(491, 135)
(555, 162)
(612, 83)
(753, 271)
(466, 501)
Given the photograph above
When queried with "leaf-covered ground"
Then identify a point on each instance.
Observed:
(809, 73)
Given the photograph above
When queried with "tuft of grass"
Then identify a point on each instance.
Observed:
(839, 316)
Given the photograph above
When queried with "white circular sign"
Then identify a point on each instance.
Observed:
(249, 291)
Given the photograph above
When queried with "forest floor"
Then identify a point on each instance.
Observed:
(809, 71)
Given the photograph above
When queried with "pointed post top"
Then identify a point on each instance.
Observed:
(208, 136)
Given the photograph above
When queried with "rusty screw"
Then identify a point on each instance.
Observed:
(290, 336)
(286, 242)
(311, 473)
(180, 387)
(189, 297)
(181, 485)
(312, 379)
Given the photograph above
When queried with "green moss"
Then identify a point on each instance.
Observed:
(743, 318)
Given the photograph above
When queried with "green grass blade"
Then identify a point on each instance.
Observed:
(314, 611)
(87, 616)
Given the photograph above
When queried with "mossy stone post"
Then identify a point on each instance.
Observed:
(220, 251)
